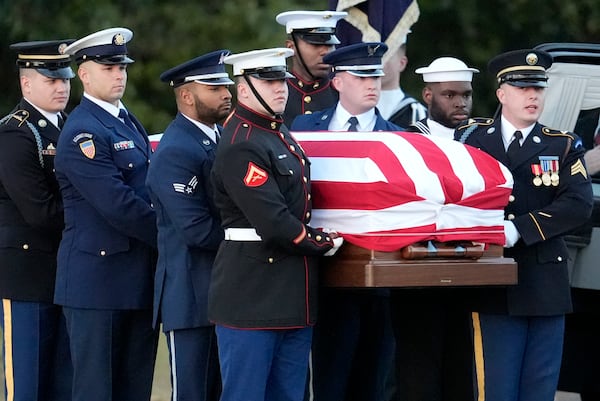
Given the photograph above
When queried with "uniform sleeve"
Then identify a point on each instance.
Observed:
(571, 207)
(265, 205)
(25, 181)
(103, 184)
(179, 180)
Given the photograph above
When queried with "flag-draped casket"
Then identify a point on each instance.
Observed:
(384, 190)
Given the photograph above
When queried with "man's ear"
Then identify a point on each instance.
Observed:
(427, 95)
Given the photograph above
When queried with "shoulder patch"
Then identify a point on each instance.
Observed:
(83, 135)
(475, 122)
(255, 176)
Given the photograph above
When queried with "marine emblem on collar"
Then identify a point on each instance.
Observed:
(119, 39)
(531, 59)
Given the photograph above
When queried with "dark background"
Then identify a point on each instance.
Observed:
(168, 33)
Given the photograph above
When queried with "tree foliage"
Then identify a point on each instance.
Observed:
(168, 33)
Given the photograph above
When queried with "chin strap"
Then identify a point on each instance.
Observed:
(302, 58)
(260, 99)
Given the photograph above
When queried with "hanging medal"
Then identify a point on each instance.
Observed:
(548, 167)
(536, 169)
(554, 178)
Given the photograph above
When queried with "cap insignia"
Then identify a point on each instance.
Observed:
(222, 58)
(119, 39)
(531, 59)
(62, 47)
(372, 49)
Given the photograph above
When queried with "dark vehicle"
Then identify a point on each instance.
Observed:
(573, 104)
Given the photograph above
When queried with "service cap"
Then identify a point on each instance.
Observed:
(266, 64)
(107, 46)
(447, 69)
(522, 68)
(315, 27)
(360, 59)
(45, 56)
(208, 69)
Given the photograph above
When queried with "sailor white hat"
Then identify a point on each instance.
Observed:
(447, 69)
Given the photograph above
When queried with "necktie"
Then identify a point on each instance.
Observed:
(353, 121)
(597, 135)
(123, 114)
(61, 121)
(515, 146)
(217, 135)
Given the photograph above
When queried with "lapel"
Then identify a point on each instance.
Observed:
(44, 127)
(194, 132)
(533, 145)
(118, 127)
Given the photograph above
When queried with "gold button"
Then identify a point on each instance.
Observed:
(270, 260)
(102, 253)
(316, 85)
(510, 216)
(292, 148)
(307, 215)
(303, 162)
(308, 196)
(281, 135)
(511, 198)
(245, 125)
(318, 238)
(301, 84)
(26, 246)
(307, 99)
(305, 179)
(309, 235)
(308, 112)
(291, 172)
(559, 258)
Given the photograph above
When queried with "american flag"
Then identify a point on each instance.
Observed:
(385, 190)
(375, 21)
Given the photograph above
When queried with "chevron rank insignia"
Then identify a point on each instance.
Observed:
(579, 168)
(186, 189)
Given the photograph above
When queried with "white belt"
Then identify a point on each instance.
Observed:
(241, 234)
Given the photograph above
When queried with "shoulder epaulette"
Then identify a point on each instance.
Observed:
(475, 122)
(20, 115)
(554, 132)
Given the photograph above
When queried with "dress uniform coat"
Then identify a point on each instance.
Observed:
(308, 97)
(189, 227)
(541, 213)
(31, 222)
(320, 120)
(262, 181)
(31, 213)
(106, 257)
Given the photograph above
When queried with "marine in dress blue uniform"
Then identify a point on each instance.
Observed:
(189, 225)
(263, 293)
(518, 330)
(107, 255)
(353, 342)
(311, 34)
(35, 343)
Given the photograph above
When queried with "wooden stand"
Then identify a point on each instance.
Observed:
(357, 267)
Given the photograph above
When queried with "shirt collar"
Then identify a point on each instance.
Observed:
(210, 131)
(109, 107)
(366, 121)
(508, 130)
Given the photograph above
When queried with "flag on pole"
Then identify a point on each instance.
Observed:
(386, 21)
(385, 190)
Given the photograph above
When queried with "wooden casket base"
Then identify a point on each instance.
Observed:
(353, 266)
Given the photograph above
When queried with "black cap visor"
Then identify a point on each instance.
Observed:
(269, 73)
(525, 80)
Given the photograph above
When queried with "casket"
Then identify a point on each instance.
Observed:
(396, 196)
(356, 267)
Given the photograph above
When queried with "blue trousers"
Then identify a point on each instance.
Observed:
(36, 352)
(263, 365)
(517, 358)
(113, 354)
(194, 362)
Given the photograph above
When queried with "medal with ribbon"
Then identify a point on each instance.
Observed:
(549, 165)
(536, 169)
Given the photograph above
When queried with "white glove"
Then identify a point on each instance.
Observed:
(511, 234)
(337, 243)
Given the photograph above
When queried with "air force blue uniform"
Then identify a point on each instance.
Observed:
(106, 258)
